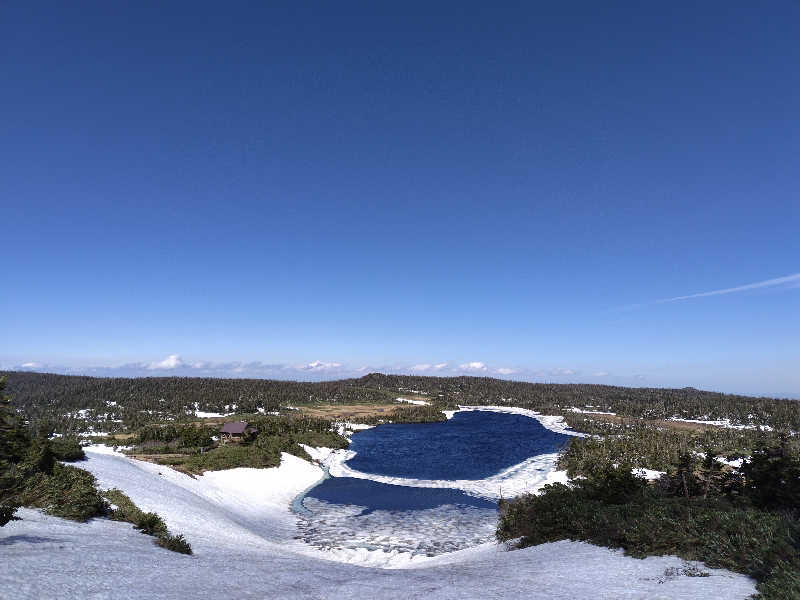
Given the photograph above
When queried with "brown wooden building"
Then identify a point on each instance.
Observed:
(237, 431)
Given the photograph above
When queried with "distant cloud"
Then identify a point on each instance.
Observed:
(317, 370)
(422, 367)
(789, 281)
(319, 365)
(600, 374)
(559, 372)
(473, 366)
(173, 361)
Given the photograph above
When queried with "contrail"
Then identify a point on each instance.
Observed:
(741, 288)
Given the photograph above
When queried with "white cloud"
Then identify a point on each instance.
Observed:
(422, 367)
(319, 365)
(173, 361)
(473, 366)
(559, 372)
(600, 374)
(505, 371)
(787, 281)
(31, 365)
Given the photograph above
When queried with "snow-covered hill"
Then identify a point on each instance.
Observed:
(242, 533)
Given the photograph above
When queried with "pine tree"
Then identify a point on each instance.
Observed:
(14, 444)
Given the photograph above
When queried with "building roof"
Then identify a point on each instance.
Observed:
(234, 427)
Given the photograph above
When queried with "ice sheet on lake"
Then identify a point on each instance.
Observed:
(427, 532)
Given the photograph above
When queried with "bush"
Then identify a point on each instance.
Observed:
(721, 533)
(232, 456)
(65, 492)
(176, 543)
(181, 435)
(772, 475)
(67, 449)
(148, 523)
(7, 510)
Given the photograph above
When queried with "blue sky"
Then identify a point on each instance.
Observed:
(323, 190)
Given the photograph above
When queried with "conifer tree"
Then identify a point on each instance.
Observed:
(14, 443)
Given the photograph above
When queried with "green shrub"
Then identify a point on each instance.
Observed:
(172, 461)
(7, 509)
(151, 524)
(783, 582)
(65, 492)
(176, 543)
(232, 456)
(644, 522)
(123, 507)
(67, 449)
(772, 475)
(148, 523)
(182, 435)
(38, 458)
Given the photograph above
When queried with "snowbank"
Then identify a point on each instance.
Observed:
(411, 401)
(206, 415)
(47, 558)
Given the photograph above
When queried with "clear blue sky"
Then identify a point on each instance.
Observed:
(248, 188)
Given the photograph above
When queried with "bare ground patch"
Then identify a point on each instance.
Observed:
(349, 412)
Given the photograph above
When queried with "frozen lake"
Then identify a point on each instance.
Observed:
(346, 512)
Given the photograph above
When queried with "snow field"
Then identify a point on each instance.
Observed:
(47, 558)
(243, 534)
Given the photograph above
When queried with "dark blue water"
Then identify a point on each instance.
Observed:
(373, 496)
(471, 445)
(343, 512)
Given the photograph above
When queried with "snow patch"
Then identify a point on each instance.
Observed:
(412, 401)
(590, 412)
(722, 423)
(648, 474)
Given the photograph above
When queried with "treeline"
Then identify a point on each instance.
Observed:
(51, 400)
(648, 446)
(554, 398)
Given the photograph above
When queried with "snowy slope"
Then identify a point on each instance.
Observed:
(242, 533)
